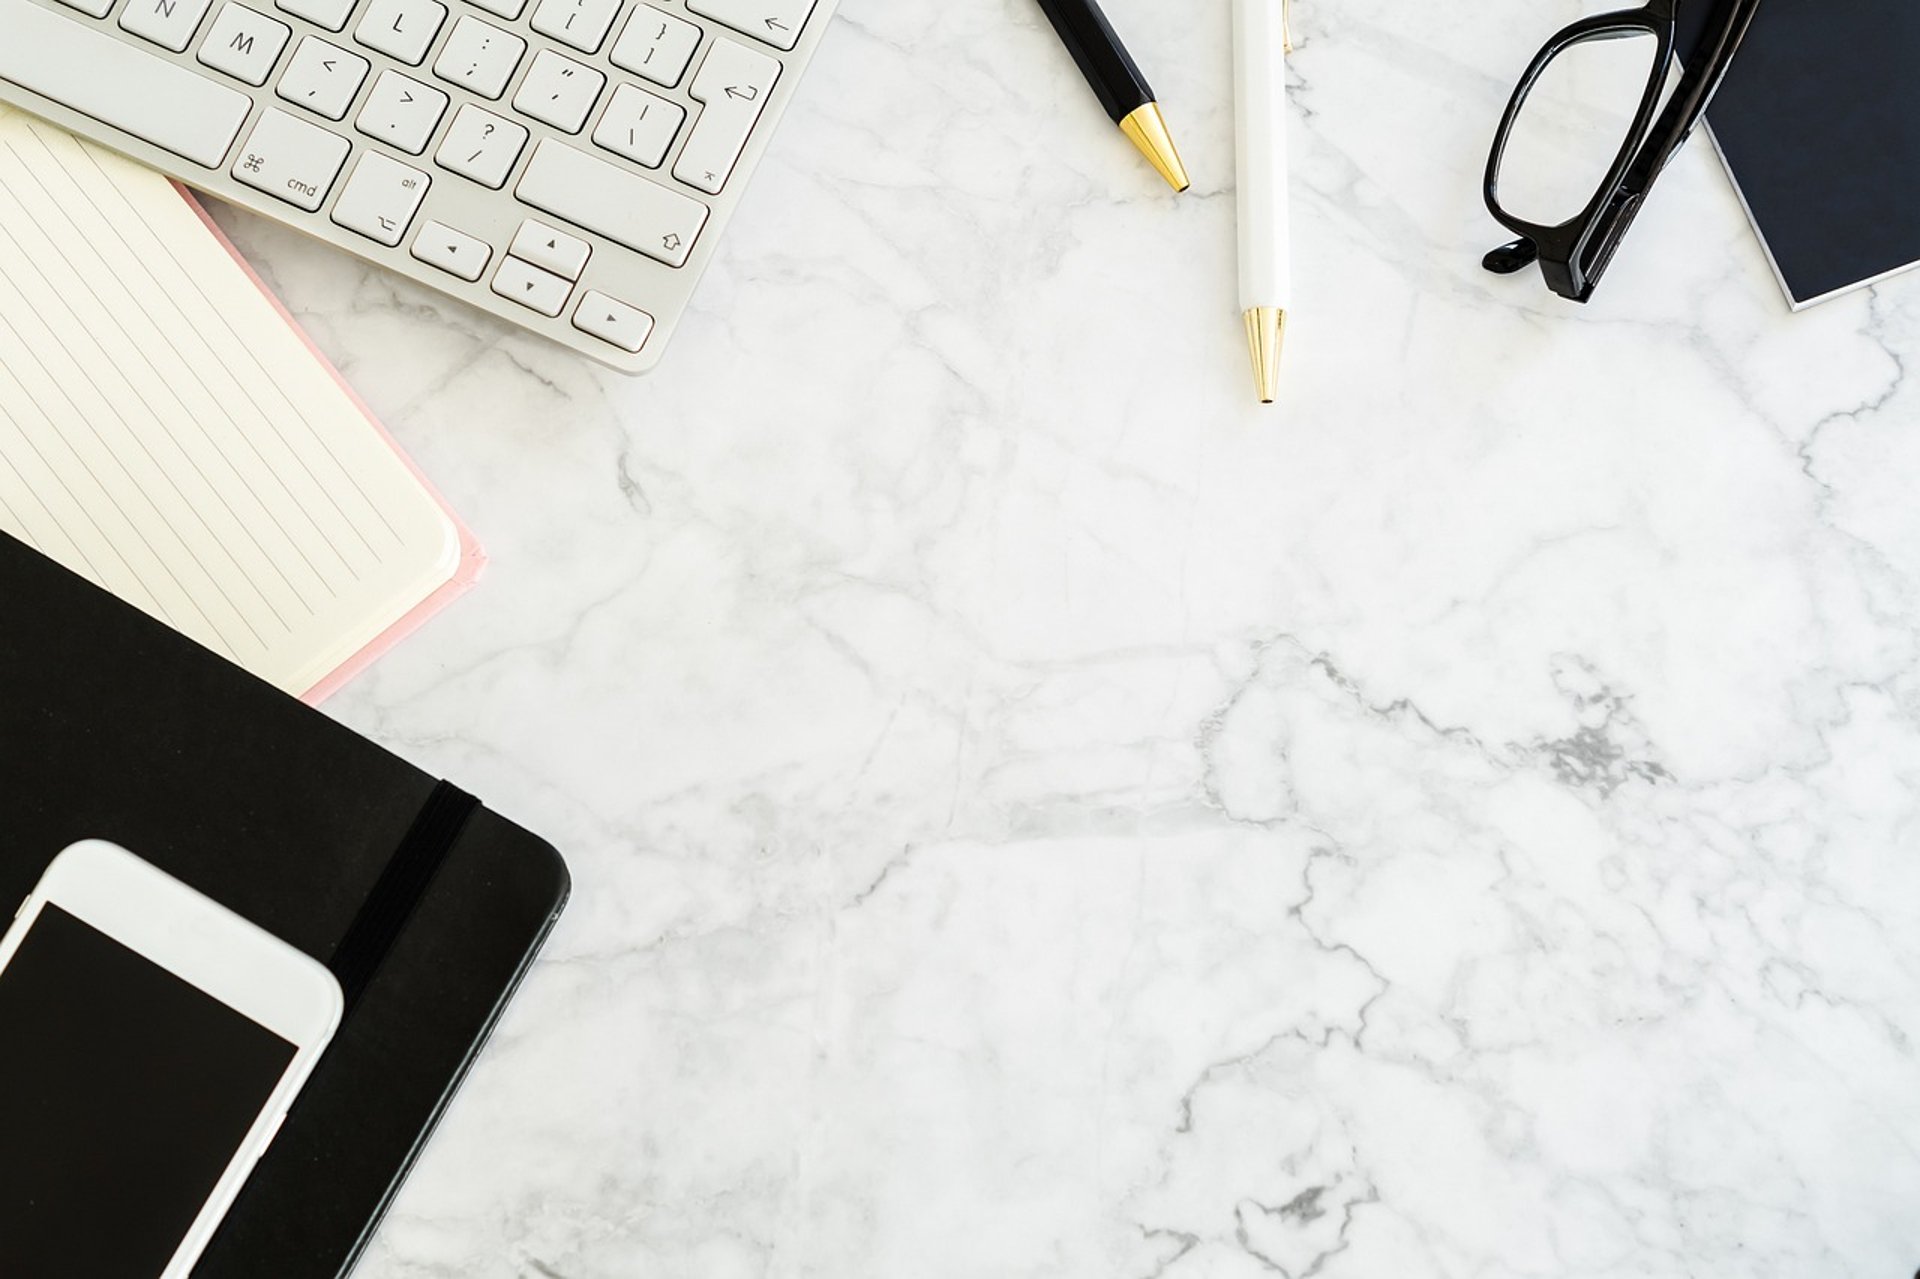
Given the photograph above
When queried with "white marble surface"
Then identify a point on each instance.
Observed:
(1034, 814)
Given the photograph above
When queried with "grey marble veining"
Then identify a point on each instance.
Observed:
(1035, 814)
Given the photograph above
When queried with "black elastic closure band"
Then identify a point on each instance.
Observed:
(402, 884)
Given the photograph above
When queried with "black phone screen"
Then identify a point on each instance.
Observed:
(124, 1092)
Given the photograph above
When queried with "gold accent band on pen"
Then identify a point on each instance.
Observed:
(1148, 130)
(1266, 331)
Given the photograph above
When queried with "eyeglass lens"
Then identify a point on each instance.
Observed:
(1572, 124)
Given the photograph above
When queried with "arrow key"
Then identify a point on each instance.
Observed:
(551, 250)
(612, 320)
(527, 284)
(454, 252)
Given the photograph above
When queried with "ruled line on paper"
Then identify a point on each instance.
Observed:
(184, 365)
(146, 526)
(313, 433)
(204, 316)
(167, 433)
(100, 534)
(55, 295)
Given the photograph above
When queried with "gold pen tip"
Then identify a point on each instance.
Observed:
(1266, 330)
(1147, 129)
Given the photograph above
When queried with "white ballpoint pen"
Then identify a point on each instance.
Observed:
(1260, 45)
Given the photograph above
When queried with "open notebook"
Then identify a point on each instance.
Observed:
(167, 432)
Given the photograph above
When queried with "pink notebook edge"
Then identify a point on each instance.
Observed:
(472, 560)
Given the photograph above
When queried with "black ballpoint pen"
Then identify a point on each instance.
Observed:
(1122, 90)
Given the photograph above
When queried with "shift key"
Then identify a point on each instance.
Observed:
(643, 215)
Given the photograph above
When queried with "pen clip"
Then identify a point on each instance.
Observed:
(1286, 26)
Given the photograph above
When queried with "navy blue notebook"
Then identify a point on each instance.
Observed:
(1819, 124)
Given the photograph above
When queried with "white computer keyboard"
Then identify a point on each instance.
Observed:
(565, 164)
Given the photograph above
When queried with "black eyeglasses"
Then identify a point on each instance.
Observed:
(1573, 254)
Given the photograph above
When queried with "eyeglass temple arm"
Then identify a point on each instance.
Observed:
(1682, 113)
(1690, 100)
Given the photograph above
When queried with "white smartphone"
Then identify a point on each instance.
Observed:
(150, 1043)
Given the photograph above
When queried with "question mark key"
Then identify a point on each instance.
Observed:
(481, 146)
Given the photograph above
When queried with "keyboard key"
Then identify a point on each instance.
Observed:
(581, 23)
(508, 9)
(551, 250)
(119, 84)
(92, 8)
(778, 22)
(402, 29)
(559, 91)
(480, 57)
(639, 126)
(656, 45)
(322, 77)
(607, 199)
(291, 160)
(454, 252)
(380, 199)
(527, 284)
(733, 85)
(331, 14)
(168, 23)
(612, 320)
(402, 112)
(482, 146)
(244, 44)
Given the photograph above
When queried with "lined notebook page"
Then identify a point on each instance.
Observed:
(164, 432)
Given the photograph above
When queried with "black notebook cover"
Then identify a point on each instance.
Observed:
(112, 726)
(1819, 123)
